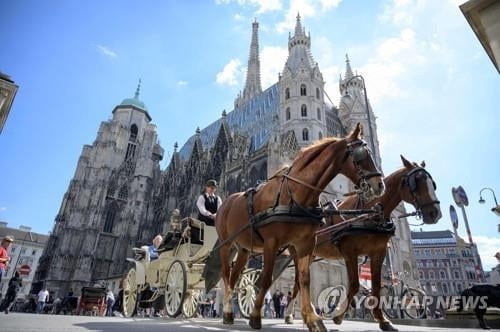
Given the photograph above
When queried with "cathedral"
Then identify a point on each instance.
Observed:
(119, 197)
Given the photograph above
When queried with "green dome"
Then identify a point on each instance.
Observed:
(133, 102)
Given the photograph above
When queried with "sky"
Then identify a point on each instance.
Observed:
(432, 87)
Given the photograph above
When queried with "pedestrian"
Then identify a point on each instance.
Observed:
(4, 255)
(110, 300)
(276, 303)
(153, 249)
(15, 284)
(268, 312)
(283, 303)
(43, 296)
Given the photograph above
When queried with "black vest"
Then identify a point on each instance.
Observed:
(211, 207)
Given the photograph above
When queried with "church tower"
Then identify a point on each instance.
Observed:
(355, 107)
(252, 84)
(302, 107)
(104, 212)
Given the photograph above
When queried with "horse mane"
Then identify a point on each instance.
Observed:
(310, 152)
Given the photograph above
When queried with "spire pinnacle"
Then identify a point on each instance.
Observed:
(298, 26)
(348, 70)
(252, 84)
(175, 147)
(138, 90)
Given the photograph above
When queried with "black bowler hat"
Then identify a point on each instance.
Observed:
(211, 183)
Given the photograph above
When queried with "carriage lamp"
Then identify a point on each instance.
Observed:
(496, 208)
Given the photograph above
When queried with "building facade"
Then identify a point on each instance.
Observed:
(445, 262)
(8, 90)
(24, 254)
(240, 149)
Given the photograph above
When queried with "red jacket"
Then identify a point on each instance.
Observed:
(3, 254)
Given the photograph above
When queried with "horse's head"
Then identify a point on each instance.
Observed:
(419, 189)
(360, 167)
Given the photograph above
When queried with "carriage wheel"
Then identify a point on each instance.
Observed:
(130, 294)
(247, 291)
(175, 289)
(414, 304)
(190, 305)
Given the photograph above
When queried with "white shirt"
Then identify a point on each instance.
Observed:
(110, 296)
(43, 295)
(200, 204)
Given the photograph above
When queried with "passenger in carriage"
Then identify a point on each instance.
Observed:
(174, 232)
(153, 249)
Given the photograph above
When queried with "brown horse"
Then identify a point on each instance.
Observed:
(297, 186)
(411, 184)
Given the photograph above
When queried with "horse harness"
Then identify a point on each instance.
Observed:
(294, 212)
(410, 180)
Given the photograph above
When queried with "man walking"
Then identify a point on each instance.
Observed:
(110, 300)
(14, 284)
(43, 296)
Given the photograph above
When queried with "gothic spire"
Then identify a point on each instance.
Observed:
(299, 31)
(348, 70)
(138, 90)
(252, 85)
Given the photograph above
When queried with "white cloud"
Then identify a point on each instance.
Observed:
(3, 208)
(487, 247)
(231, 74)
(107, 51)
(182, 83)
(272, 60)
(304, 7)
(328, 4)
(239, 17)
(262, 5)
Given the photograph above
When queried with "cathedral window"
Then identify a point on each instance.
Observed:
(288, 116)
(319, 114)
(320, 135)
(110, 218)
(123, 194)
(317, 93)
(303, 91)
(111, 189)
(305, 134)
(303, 110)
(133, 133)
(287, 93)
(130, 151)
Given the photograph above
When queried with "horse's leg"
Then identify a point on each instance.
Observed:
(290, 307)
(270, 249)
(227, 311)
(351, 263)
(376, 261)
(304, 258)
(238, 266)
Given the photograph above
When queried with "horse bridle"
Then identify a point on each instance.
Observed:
(410, 180)
(358, 150)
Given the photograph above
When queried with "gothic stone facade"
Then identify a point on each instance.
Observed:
(119, 198)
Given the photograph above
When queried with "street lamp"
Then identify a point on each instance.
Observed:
(496, 208)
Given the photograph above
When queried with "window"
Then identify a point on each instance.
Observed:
(442, 275)
(457, 275)
(23, 251)
(305, 134)
(123, 194)
(319, 114)
(303, 110)
(303, 91)
(421, 274)
(431, 275)
(445, 288)
(288, 116)
(317, 93)
(33, 253)
(417, 252)
(133, 133)
(287, 93)
(110, 218)
(13, 250)
(320, 135)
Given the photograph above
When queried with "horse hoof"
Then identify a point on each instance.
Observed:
(387, 326)
(289, 319)
(337, 320)
(255, 322)
(316, 326)
(228, 318)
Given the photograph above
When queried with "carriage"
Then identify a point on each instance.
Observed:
(175, 281)
(92, 301)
